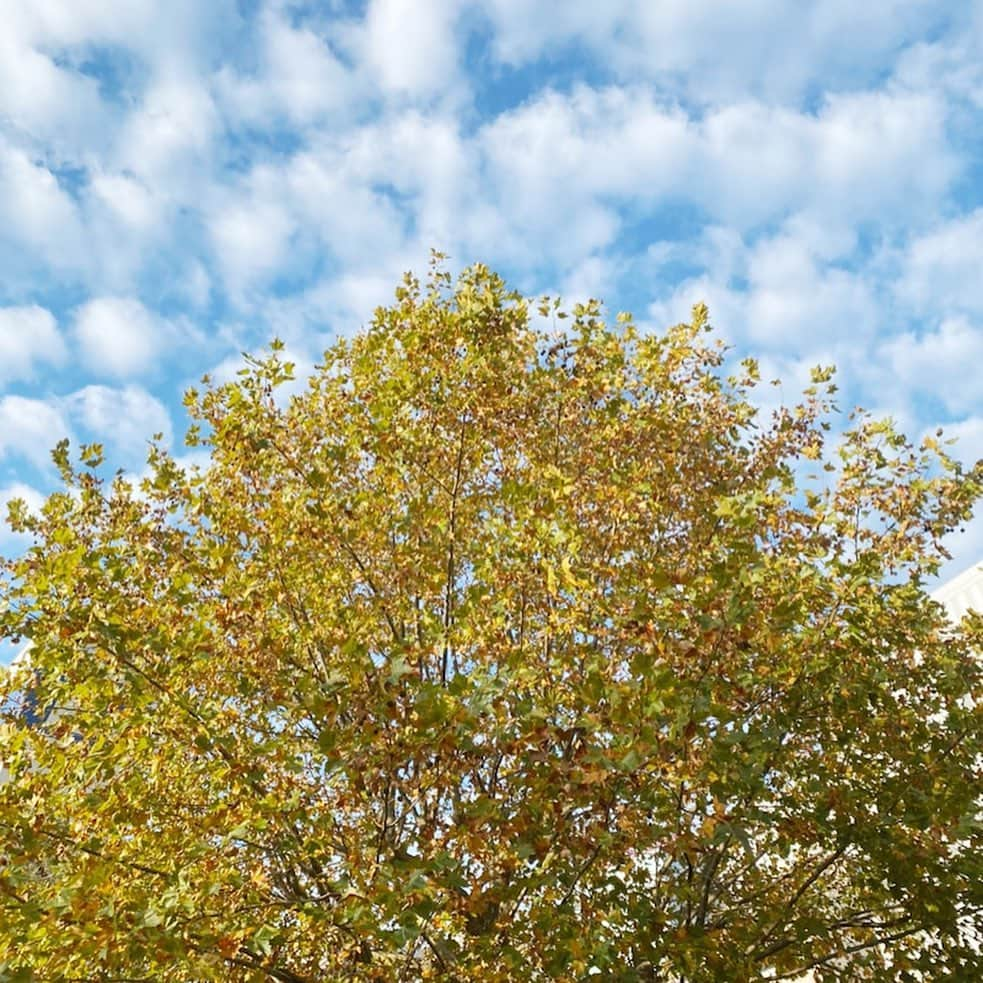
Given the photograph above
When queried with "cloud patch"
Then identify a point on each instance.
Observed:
(36, 213)
(943, 364)
(117, 336)
(29, 338)
(718, 51)
(29, 429)
(9, 540)
(409, 54)
(943, 268)
(125, 419)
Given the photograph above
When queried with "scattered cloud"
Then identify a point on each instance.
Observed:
(130, 201)
(37, 214)
(719, 51)
(168, 138)
(29, 337)
(250, 233)
(783, 294)
(45, 101)
(11, 542)
(29, 429)
(942, 269)
(117, 336)
(968, 435)
(943, 364)
(128, 416)
(298, 78)
(410, 54)
(31, 497)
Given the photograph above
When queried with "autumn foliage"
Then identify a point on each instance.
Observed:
(515, 646)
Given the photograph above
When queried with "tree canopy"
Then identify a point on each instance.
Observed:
(512, 646)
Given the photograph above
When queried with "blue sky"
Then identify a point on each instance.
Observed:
(181, 181)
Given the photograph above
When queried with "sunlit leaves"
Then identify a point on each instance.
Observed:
(499, 652)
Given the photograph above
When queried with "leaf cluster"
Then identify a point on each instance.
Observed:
(503, 651)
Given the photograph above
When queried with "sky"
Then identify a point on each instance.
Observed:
(182, 181)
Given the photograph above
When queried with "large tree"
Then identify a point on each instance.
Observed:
(515, 646)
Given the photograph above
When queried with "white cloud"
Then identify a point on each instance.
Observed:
(787, 292)
(112, 101)
(30, 428)
(29, 336)
(118, 336)
(130, 201)
(196, 285)
(942, 270)
(589, 279)
(35, 211)
(966, 547)
(426, 160)
(168, 140)
(794, 297)
(716, 50)
(31, 497)
(728, 306)
(123, 419)
(251, 228)
(592, 141)
(85, 20)
(55, 57)
(182, 38)
(951, 62)
(865, 156)
(551, 183)
(566, 169)
(556, 168)
(338, 304)
(883, 149)
(410, 49)
(307, 77)
(46, 101)
(522, 29)
(944, 363)
(299, 78)
(317, 206)
(968, 434)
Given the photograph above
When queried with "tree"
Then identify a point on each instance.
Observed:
(512, 648)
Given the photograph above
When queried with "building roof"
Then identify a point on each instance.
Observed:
(962, 593)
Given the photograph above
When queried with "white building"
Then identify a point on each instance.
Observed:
(962, 593)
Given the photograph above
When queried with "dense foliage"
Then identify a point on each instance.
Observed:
(515, 646)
